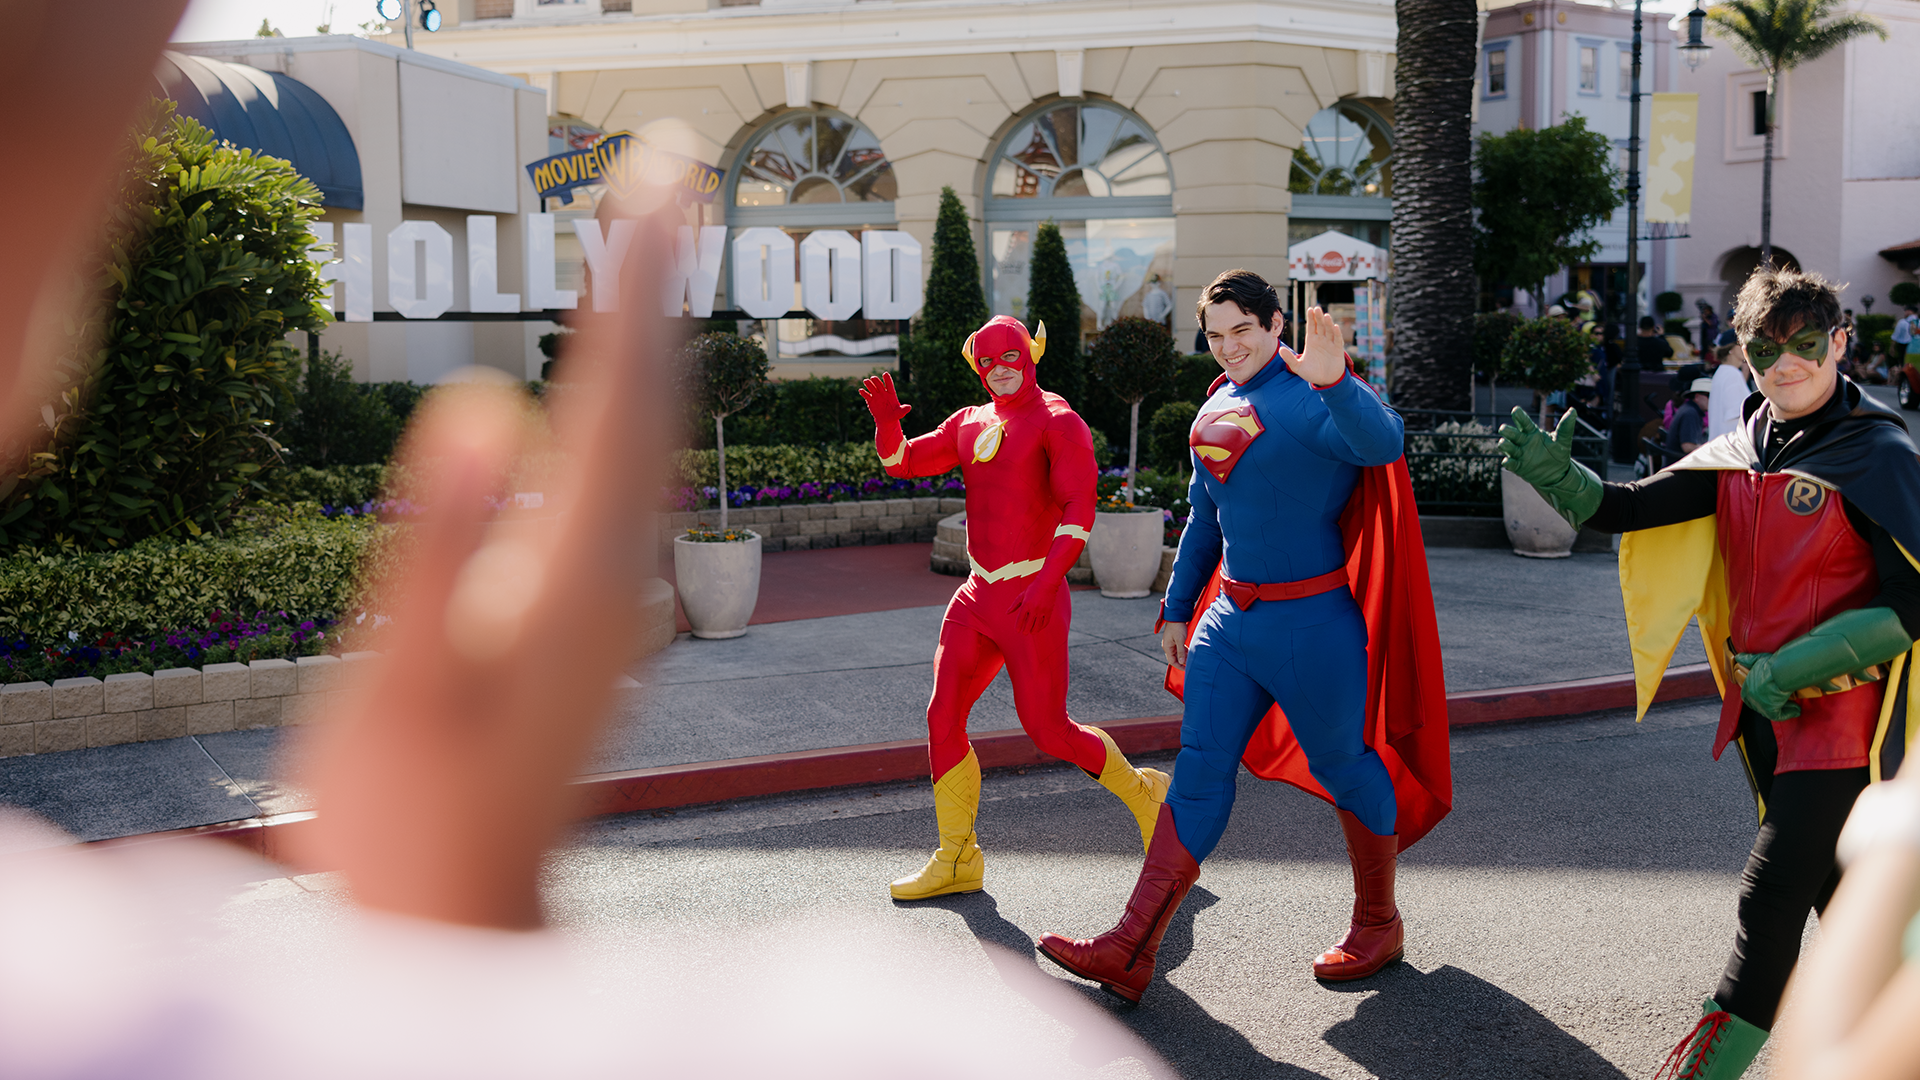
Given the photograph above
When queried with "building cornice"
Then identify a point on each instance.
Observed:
(838, 30)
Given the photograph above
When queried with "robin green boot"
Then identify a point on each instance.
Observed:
(1720, 1047)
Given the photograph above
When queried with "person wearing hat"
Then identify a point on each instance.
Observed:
(1689, 427)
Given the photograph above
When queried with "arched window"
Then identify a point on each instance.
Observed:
(809, 161)
(810, 169)
(1099, 173)
(1348, 151)
(1342, 176)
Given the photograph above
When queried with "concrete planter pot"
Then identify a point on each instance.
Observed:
(719, 584)
(1534, 527)
(1125, 551)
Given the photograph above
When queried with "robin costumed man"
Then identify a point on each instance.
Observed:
(1027, 459)
(1312, 654)
(1790, 539)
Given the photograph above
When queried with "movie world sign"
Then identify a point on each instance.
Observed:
(833, 274)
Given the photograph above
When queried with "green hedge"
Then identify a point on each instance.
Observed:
(338, 485)
(308, 567)
(761, 466)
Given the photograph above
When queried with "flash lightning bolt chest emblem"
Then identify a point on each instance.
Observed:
(987, 443)
(1221, 437)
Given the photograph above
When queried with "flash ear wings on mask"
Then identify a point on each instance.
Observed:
(966, 350)
(1037, 344)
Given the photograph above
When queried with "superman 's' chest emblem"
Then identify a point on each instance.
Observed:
(1221, 437)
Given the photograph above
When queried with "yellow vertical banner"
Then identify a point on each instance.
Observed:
(1670, 157)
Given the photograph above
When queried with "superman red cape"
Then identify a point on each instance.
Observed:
(1406, 688)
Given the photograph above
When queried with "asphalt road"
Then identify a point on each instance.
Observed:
(1565, 921)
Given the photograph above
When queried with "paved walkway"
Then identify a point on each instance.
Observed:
(861, 676)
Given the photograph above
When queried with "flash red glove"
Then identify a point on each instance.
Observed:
(883, 401)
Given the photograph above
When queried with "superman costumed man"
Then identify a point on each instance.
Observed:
(1312, 655)
(1027, 459)
(1790, 539)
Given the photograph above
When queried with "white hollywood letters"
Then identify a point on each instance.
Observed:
(831, 274)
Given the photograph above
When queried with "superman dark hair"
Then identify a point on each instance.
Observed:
(1245, 288)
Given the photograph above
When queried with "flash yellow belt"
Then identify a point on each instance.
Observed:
(1025, 567)
(1840, 683)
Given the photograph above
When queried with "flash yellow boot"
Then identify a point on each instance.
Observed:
(958, 866)
(1143, 790)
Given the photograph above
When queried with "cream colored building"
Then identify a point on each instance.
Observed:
(1172, 140)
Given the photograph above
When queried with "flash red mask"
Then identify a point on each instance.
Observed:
(1004, 334)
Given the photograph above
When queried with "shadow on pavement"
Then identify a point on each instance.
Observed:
(1454, 1024)
(1012, 954)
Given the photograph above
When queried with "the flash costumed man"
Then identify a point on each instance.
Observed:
(1027, 459)
(1789, 539)
(1312, 654)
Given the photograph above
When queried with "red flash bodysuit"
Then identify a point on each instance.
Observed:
(1028, 463)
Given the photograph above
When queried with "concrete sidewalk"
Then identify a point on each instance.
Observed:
(854, 679)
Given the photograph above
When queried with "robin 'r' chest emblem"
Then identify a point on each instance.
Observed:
(1804, 497)
(1220, 437)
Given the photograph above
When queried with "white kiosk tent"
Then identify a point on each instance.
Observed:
(1334, 256)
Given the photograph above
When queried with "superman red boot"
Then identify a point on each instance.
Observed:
(1121, 960)
(1375, 939)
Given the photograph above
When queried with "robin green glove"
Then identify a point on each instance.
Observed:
(1852, 643)
(1546, 462)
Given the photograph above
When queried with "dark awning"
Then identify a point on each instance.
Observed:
(271, 113)
(1905, 256)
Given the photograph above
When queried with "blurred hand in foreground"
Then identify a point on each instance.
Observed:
(441, 780)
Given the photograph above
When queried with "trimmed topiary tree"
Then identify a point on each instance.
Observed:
(163, 425)
(1667, 303)
(1491, 330)
(1053, 298)
(1904, 293)
(720, 375)
(941, 379)
(1168, 433)
(1133, 357)
(1547, 355)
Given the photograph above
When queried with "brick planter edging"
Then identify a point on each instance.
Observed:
(73, 714)
(806, 526)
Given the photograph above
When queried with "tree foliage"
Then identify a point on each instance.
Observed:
(162, 425)
(1433, 288)
(1548, 354)
(941, 379)
(1053, 298)
(1538, 194)
(336, 421)
(1904, 293)
(1490, 333)
(1167, 435)
(720, 374)
(1133, 358)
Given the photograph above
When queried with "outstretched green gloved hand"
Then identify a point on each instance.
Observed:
(1547, 463)
(1851, 643)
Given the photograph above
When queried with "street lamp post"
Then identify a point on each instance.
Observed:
(1626, 416)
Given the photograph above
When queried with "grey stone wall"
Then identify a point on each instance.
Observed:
(826, 525)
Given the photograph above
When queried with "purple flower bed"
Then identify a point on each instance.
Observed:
(746, 495)
(225, 638)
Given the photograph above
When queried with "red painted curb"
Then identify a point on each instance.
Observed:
(1574, 697)
(669, 786)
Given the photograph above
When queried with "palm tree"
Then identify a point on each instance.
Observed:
(1777, 36)
(1433, 288)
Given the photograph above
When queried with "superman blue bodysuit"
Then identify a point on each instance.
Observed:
(1312, 655)
(1276, 463)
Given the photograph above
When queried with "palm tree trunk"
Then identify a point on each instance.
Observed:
(1766, 183)
(720, 452)
(1433, 293)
